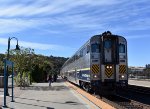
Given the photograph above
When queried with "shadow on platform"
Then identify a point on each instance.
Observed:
(66, 102)
(35, 105)
(54, 86)
(47, 88)
(50, 108)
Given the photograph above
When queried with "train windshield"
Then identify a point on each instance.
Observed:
(121, 48)
(107, 44)
(95, 48)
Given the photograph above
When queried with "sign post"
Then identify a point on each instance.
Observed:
(9, 64)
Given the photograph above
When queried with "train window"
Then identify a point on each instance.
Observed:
(88, 48)
(107, 43)
(81, 53)
(84, 51)
(78, 55)
(73, 58)
(95, 48)
(121, 48)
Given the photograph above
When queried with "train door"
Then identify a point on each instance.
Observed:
(75, 75)
(123, 65)
(94, 59)
(109, 57)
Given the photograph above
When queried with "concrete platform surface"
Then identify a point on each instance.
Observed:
(139, 83)
(58, 96)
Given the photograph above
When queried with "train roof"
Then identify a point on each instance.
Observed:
(100, 35)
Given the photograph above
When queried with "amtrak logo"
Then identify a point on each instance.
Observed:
(85, 75)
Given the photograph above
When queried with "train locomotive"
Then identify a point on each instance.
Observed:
(101, 64)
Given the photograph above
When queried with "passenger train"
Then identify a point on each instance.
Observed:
(101, 64)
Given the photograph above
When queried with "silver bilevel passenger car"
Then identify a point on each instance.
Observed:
(100, 64)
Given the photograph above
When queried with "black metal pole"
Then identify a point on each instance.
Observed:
(7, 94)
(12, 100)
(4, 105)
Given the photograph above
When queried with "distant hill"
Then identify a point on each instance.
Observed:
(41, 65)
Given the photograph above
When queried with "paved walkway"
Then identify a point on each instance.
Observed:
(41, 96)
(17, 92)
(139, 83)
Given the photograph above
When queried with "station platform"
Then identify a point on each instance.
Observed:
(41, 96)
(136, 82)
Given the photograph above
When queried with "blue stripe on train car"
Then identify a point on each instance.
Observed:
(84, 75)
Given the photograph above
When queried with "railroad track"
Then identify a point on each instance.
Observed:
(120, 102)
(136, 93)
(139, 89)
(133, 98)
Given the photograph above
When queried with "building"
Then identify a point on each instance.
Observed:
(136, 69)
(147, 66)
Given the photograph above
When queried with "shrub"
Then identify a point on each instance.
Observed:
(23, 80)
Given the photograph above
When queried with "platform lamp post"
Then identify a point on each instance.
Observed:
(17, 48)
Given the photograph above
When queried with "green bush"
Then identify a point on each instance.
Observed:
(24, 80)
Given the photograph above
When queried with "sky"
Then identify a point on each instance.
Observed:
(61, 27)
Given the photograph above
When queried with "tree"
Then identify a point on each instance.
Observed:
(38, 66)
(23, 61)
(2, 56)
(147, 73)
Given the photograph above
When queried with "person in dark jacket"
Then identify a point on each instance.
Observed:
(50, 79)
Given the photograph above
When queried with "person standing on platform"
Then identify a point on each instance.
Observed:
(50, 79)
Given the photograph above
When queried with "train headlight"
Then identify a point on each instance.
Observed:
(122, 76)
(109, 67)
(95, 76)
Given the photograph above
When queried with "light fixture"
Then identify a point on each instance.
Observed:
(95, 76)
(122, 76)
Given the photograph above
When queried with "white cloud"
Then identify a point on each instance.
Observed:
(115, 13)
(47, 7)
(137, 36)
(16, 25)
(3, 41)
(140, 24)
(39, 46)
